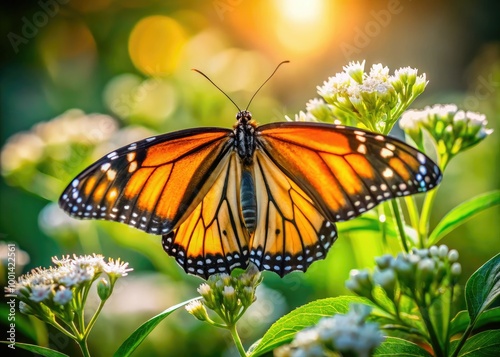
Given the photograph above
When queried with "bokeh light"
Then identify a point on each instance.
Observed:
(155, 45)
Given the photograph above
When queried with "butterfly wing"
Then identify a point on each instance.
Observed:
(213, 238)
(291, 232)
(152, 184)
(344, 170)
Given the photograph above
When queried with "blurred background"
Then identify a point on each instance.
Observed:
(79, 78)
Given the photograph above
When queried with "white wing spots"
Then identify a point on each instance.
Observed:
(113, 155)
(359, 133)
(423, 170)
(132, 146)
(360, 138)
(383, 187)
(151, 139)
(390, 146)
(387, 173)
(131, 156)
(362, 149)
(386, 153)
(379, 138)
(132, 167)
(111, 175)
(402, 186)
(373, 188)
(105, 167)
(421, 158)
(75, 182)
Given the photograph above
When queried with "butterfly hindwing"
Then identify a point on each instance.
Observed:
(152, 184)
(291, 232)
(213, 238)
(344, 170)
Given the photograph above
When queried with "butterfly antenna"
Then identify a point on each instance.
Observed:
(262, 85)
(216, 86)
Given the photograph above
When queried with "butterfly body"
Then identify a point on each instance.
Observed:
(267, 194)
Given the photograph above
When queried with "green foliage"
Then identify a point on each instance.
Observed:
(283, 330)
(463, 212)
(136, 338)
(42, 351)
(394, 346)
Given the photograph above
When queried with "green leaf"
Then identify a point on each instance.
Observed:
(461, 320)
(136, 338)
(284, 330)
(462, 213)
(483, 287)
(42, 351)
(486, 343)
(393, 346)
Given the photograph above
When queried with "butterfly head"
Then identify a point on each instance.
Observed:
(244, 117)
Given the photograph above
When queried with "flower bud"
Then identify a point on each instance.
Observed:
(197, 309)
(453, 256)
(104, 289)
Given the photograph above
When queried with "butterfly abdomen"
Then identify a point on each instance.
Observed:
(248, 200)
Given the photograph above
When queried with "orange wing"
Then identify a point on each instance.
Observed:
(291, 232)
(343, 170)
(213, 239)
(153, 184)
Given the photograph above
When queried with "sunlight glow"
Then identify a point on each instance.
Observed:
(303, 25)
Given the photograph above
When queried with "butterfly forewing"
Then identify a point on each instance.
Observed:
(344, 170)
(153, 184)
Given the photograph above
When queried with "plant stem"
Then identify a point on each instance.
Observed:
(463, 339)
(93, 320)
(399, 221)
(83, 346)
(411, 207)
(423, 229)
(237, 340)
(436, 346)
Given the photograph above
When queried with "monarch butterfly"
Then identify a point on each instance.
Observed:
(269, 194)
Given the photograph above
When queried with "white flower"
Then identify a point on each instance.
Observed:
(63, 296)
(355, 70)
(314, 104)
(385, 278)
(379, 73)
(116, 268)
(228, 291)
(204, 289)
(406, 72)
(350, 332)
(40, 292)
(308, 344)
(338, 84)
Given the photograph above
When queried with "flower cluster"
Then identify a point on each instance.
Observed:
(422, 274)
(38, 158)
(229, 297)
(349, 334)
(453, 130)
(373, 100)
(57, 292)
